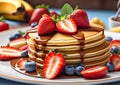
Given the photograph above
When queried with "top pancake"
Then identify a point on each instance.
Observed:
(65, 39)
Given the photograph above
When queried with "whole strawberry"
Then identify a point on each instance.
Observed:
(37, 14)
(81, 18)
(46, 25)
(3, 25)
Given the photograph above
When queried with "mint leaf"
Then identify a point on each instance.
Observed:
(42, 6)
(2, 19)
(66, 10)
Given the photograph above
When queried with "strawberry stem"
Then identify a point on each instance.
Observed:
(42, 6)
(2, 19)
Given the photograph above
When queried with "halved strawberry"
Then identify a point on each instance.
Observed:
(17, 43)
(67, 26)
(7, 53)
(53, 65)
(25, 47)
(46, 25)
(95, 72)
(115, 59)
(20, 63)
(81, 18)
(115, 42)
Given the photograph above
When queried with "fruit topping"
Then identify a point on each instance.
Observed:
(69, 70)
(67, 26)
(115, 42)
(34, 24)
(95, 72)
(25, 47)
(78, 69)
(54, 14)
(115, 59)
(7, 53)
(17, 43)
(110, 66)
(114, 49)
(46, 25)
(3, 25)
(30, 66)
(53, 65)
(21, 64)
(17, 35)
(24, 53)
(81, 18)
(108, 38)
(37, 14)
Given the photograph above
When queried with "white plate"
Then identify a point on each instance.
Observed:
(7, 72)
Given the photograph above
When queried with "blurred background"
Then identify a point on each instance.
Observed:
(84, 4)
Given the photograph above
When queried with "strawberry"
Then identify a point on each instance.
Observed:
(20, 63)
(115, 42)
(7, 53)
(53, 13)
(17, 43)
(115, 59)
(53, 65)
(37, 14)
(46, 25)
(67, 26)
(25, 47)
(81, 18)
(95, 72)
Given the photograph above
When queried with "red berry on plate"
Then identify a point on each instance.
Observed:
(3, 26)
(46, 25)
(67, 26)
(115, 43)
(81, 18)
(53, 65)
(37, 14)
(53, 13)
(95, 72)
(115, 59)
(7, 53)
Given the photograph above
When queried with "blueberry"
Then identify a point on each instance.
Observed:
(69, 70)
(17, 35)
(110, 66)
(78, 70)
(30, 66)
(114, 50)
(12, 38)
(34, 24)
(108, 38)
(24, 53)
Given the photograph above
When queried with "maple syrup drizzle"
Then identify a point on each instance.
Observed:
(79, 36)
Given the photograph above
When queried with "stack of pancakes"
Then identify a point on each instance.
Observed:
(94, 50)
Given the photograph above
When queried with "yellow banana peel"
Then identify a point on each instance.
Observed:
(115, 29)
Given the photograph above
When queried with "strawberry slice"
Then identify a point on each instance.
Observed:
(115, 59)
(81, 18)
(67, 26)
(95, 72)
(46, 25)
(25, 47)
(53, 65)
(115, 43)
(17, 43)
(20, 63)
(7, 53)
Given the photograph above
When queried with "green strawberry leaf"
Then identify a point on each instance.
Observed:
(2, 19)
(76, 7)
(66, 10)
(42, 6)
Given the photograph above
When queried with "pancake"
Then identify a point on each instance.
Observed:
(87, 46)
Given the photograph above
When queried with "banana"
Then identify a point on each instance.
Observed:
(115, 29)
(23, 16)
(13, 7)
